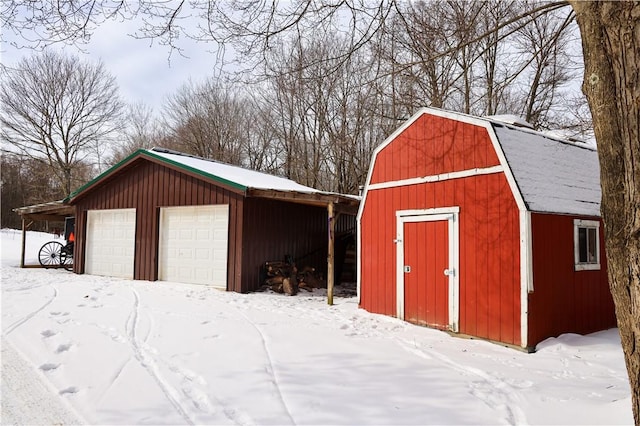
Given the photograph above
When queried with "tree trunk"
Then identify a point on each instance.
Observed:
(611, 46)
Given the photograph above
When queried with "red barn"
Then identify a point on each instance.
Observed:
(484, 228)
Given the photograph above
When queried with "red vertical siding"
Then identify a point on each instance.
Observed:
(489, 245)
(432, 146)
(565, 300)
(489, 270)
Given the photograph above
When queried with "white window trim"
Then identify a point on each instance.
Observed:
(577, 224)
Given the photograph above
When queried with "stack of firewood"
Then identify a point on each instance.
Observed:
(284, 277)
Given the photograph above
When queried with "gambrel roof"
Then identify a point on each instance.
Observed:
(552, 174)
(549, 173)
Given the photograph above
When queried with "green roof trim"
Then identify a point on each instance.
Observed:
(196, 171)
(102, 175)
(149, 153)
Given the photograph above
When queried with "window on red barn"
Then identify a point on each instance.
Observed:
(586, 244)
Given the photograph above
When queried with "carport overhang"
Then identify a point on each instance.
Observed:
(335, 204)
(54, 211)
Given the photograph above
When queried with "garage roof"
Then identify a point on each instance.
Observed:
(249, 182)
(234, 175)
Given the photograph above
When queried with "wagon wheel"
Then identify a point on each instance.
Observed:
(66, 257)
(49, 254)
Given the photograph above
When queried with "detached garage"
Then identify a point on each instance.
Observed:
(164, 215)
(486, 228)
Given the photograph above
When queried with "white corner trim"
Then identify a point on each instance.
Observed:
(358, 261)
(437, 178)
(526, 274)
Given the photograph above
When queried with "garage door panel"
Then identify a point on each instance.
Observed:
(193, 244)
(110, 244)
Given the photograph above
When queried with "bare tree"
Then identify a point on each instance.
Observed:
(422, 45)
(496, 72)
(26, 181)
(323, 114)
(142, 131)
(58, 110)
(611, 45)
(208, 119)
(544, 44)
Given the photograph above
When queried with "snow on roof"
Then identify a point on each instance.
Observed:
(553, 175)
(245, 177)
(510, 119)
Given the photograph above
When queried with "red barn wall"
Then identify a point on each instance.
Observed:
(431, 146)
(565, 300)
(489, 269)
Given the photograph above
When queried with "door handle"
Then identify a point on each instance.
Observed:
(450, 272)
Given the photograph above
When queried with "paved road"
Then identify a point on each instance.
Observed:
(26, 398)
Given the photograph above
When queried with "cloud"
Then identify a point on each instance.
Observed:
(145, 70)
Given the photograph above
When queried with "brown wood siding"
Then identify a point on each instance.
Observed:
(147, 186)
(274, 229)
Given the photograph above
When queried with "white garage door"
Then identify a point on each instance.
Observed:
(111, 242)
(193, 244)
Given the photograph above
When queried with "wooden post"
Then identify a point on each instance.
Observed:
(24, 238)
(330, 253)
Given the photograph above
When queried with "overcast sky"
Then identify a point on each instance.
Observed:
(144, 71)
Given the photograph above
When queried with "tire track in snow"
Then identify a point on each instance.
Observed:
(32, 314)
(515, 415)
(270, 369)
(114, 377)
(148, 363)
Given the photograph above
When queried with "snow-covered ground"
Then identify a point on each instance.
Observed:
(111, 351)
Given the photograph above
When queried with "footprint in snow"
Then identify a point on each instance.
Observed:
(70, 389)
(64, 348)
(47, 333)
(49, 367)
